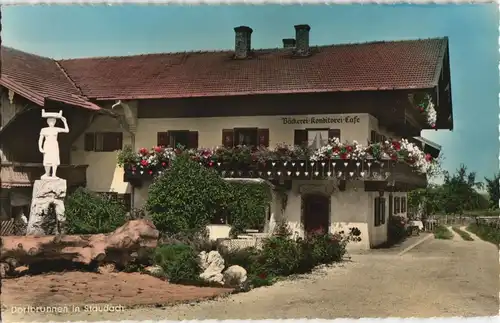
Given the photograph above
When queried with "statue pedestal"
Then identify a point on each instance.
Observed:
(47, 207)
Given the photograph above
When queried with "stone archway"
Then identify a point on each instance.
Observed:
(315, 213)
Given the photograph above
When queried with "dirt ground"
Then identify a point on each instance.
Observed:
(436, 278)
(69, 289)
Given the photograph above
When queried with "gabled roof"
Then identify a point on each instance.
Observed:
(397, 65)
(39, 79)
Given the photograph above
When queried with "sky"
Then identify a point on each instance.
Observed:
(82, 31)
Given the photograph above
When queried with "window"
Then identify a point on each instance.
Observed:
(221, 218)
(379, 210)
(403, 204)
(124, 199)
(179, 138)
(314, 138)
(397, 205)
(103, 141)
(375, 137)
(245, 137)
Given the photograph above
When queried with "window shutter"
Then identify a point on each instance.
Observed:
(300, 137)
(228, 138)
(263, 137)
(391, 206)
(334, 133)
(119, 141)
(373, 136)
(89, 142)
(376, 208)
(396, 205)
(162, 139)
(403, 204)
(193, 140)
(382, 210)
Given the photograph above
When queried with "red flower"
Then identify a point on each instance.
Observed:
(394, 157)
(143, 151)
(144, 163)
(343, 156)
(210, 164)
(158, 149)
(428, 157)
(348, 148)
(433, 125)
(164, 164)
(396, 145)
(150, 172)
(262, 275)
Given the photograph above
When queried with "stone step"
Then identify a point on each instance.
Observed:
(251, 231)
(245, 237)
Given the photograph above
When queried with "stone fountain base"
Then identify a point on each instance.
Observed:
(47, 207)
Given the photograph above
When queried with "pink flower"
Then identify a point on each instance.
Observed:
(143, 151)
(144, 163)
(428, 157)
(158, 149)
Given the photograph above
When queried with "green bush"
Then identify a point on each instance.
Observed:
(186, 197)
(464, 235)
(281, 256)
(487, 232)
(90, 213)
(442, 232)
(247, 208)
(179, 263)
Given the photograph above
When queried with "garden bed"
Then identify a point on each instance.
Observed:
(79, 288)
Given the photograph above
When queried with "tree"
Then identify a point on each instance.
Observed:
(493, 189)
(459, 191)
(187, 197)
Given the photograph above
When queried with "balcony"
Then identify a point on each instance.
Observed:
(376, 174)
(25, 174)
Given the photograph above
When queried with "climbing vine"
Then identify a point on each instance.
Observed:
(248, 206)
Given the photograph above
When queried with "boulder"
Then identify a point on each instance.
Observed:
(119, 247)
(235, 276)
(154, 270)
(47, 207)
(212, 265)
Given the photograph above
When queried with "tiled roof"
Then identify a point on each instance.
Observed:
(38, 79)
(413, 64)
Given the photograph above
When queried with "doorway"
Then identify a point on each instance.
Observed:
(316, 213)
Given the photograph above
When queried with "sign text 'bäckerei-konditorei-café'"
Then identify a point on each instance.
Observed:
(321, 120)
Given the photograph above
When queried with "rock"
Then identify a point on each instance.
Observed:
(106, 269)
(213, 265)
(154, 270)
(21, 270)
(47, 207)
(116, 247)
(235, 276)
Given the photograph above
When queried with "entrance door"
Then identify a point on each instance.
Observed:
(316, 213)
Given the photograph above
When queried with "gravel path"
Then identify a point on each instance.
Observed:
(437, 278)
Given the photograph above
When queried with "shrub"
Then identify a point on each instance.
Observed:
(281, 257)
(186, 197)
(486, 232)
(396, 231)
(90, 213)
(179, 263)
(442, 232)
(464, 235)
(247, 208)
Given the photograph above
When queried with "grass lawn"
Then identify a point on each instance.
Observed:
(464, 235)
(485, 232)
(442, 232)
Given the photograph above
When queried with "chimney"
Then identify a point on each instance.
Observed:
(288, 43)
(243, 41)
(302, 39)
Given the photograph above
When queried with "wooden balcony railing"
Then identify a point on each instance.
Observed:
(25, 174)
(367, 170)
